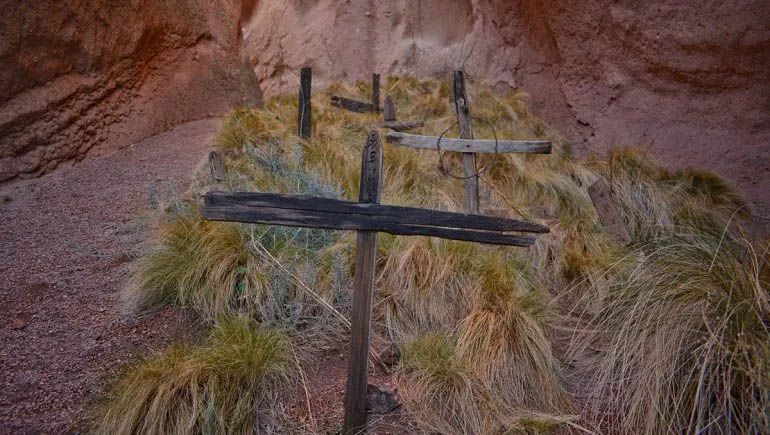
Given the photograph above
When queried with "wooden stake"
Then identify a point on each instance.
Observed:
(389, 110)
(304, 115)
(351, 105)
(376, 92)
(363, 286)
(462, 110)
(217, 166)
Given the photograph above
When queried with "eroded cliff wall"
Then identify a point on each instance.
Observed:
(687, 80)
(80, 76)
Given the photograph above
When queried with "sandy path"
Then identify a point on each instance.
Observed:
(65, 241)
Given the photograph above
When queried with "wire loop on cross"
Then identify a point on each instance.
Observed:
(477, 172)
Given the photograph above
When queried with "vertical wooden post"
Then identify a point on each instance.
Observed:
(376, 92)
(462, 110)
(304, 116)
(217, 166)
(389, 110)
(363, 286)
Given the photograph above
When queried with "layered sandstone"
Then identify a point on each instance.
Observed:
(80, 76)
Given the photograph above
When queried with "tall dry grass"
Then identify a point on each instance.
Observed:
(685, 339)
(482, 328)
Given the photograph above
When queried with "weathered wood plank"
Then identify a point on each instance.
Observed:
(469, 146)
(608, 213)
(217, 166)
(304, 112)
(363, 287)
(376, 92)
(389, 110)
(462, 110)
(352, 105)
(386, 213)
(402, 125)
(341, 221)
(393, 125)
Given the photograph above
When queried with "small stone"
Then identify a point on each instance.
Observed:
(19, 323)
(380, 400)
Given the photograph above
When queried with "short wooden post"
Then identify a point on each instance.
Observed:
(217, 166)
(376, 92)
(363, 286)
(462, 110)
(304, 115)
(389, 110)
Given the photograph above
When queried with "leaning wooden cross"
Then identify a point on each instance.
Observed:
(360, 106)
(367, 216)
(466, 144)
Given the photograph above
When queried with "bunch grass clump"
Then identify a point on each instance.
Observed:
(442, 389)
(193, 262)
(221, 268)
(439, 389)
(685, 339)
(225, 385)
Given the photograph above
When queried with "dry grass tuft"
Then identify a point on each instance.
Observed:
(192, 258)
(226, 385)
(685, 340)
(441, 388)
(440, 391)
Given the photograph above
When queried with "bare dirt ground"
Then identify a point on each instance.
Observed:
(66, 242)
(317, 401)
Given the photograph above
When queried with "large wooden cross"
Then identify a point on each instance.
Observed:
(466, 144)
(368, 217)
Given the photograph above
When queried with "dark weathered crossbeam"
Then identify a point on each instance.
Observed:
(402, 125)
(393, 125)
(336, 221)
(469, 145)
(400, 214)
(390, 222)
(352, 105)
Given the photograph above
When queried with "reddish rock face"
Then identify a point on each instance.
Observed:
(687, 80)
(80, 76)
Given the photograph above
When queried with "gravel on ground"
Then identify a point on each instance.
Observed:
(66, 243)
